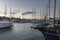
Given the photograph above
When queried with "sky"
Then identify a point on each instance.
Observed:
(27, 5)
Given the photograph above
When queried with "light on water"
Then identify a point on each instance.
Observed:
(21, 31)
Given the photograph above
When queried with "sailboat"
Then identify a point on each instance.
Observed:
(42, 23)
(51, 33)
(5, 23)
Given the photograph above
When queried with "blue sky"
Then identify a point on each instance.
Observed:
(27, 5)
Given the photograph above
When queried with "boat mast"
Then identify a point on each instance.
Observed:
(49, 7)
(54, 11)
(35, 13)
(5, 10)
(59, 12)
(10, 13)
(48, 11)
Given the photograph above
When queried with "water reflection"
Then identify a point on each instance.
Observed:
(5, 30)
(21, 32)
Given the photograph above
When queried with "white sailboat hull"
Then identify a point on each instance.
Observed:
(5, 24)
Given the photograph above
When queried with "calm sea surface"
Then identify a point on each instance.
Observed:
(21, 31)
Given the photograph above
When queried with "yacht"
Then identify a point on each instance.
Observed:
(5, 24)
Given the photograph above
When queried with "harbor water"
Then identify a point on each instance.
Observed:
(21, 31)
